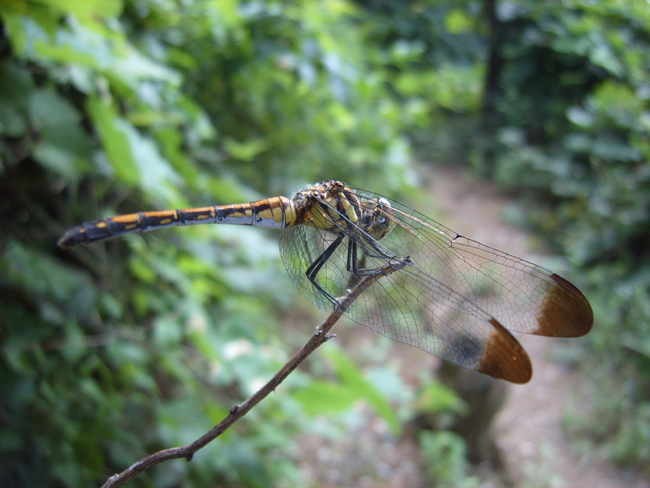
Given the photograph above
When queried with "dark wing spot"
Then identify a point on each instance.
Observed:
(468, 349)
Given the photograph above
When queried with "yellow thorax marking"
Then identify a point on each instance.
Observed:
(349, 208)
(318, 217)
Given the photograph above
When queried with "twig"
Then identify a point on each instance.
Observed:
(238, 411)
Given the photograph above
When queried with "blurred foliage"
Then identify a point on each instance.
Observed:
(550, 99)
(433, 55)
(572, 141)
(444, 455)
(112, 351)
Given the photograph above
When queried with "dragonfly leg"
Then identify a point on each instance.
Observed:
(318, 263)
(356, 264)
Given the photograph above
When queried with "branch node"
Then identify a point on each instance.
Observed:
(328, 337)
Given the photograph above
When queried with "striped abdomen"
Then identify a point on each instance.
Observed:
(276, 212)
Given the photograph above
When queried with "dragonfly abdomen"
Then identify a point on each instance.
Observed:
(276, 212)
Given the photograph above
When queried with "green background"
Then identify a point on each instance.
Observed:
(113, 351)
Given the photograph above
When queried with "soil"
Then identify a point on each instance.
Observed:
(528, 429)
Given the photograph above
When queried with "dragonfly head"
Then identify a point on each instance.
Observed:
(380, 221)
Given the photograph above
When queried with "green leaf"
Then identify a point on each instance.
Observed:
(115, 140)
(157, 176)
(245, 151)
(85, 9)
(439, 398)
(12, 122)
(39, 274)
(458, 22)
(131, 67)
(445, 458)
(65, 147)
(171, 142)
(65, 54)
(21, 28)
(352, 376)
(16, 84)
(322, 397)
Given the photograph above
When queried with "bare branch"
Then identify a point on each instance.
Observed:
(238, 411)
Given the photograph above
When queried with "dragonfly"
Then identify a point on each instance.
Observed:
(455, 297)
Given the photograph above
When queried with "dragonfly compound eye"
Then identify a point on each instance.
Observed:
(382, 221)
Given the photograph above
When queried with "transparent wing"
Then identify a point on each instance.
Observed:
(456, 300)
(408, 306)
(522, 296)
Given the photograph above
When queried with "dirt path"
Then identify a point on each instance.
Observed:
(529, 427)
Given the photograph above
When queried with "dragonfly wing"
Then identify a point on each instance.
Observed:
(408, 306)
(523, 296)
(411, 307)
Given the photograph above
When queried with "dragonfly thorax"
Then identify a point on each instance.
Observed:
(334, 207)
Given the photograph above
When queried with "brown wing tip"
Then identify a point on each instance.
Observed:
(504, 358)
(565, 311)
